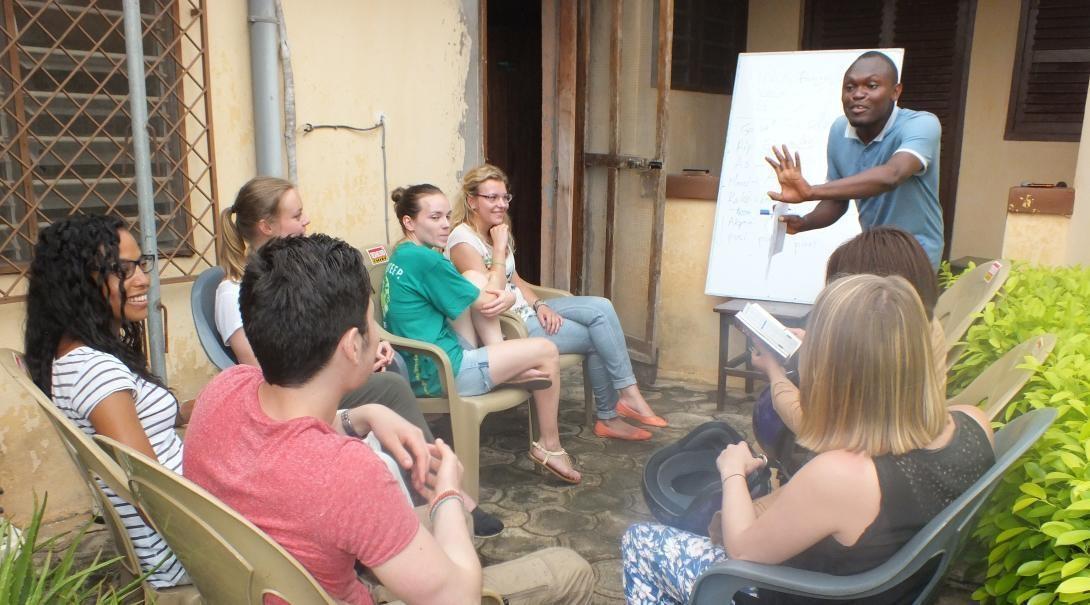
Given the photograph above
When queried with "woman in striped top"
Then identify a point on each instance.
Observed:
(84, 340)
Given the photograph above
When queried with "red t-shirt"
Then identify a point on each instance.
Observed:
(326, 498)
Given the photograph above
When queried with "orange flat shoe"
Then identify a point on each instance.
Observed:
(602, 430)
(631, 414)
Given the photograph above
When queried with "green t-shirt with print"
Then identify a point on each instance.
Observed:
(421, 291)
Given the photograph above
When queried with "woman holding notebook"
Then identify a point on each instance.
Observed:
(889, 456)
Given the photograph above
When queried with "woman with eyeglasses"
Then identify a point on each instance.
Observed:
(84, 341)
(587, 325)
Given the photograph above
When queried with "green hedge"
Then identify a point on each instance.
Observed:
(1036, 529)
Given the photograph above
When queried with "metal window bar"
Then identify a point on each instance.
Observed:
(65, 146)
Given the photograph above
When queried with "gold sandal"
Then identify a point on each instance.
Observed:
(544, 462)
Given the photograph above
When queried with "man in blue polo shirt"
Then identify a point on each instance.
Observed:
(883, 156)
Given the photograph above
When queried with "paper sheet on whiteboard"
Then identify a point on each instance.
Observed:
(787, 98)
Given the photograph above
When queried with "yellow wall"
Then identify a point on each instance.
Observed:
(689, 330)
(1078, 248)
(990, 166)
(349, 66)
(409, 60)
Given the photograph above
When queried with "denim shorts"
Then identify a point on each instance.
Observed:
(473, 376)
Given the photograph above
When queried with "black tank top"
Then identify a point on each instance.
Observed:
(915, 487)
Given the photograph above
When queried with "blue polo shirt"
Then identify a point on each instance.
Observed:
(914, 205)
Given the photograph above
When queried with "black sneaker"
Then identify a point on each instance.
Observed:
(485, 525)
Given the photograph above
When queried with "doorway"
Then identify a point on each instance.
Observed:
(512, 118)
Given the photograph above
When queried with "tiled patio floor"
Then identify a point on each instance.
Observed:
(541, 511)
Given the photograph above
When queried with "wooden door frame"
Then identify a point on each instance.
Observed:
(565, 70)
(561, 159)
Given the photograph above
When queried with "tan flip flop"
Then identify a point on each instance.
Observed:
(544, 462)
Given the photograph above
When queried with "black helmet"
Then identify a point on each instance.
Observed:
(681, 483)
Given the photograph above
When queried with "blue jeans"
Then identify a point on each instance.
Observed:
(662, 563)
(591, 328)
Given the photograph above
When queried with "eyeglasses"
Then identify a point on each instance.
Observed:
(127, 267)
(492, 197)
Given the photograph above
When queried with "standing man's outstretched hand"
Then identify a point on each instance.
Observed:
(793, 188)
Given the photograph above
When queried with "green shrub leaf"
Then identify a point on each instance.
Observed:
(1074, 586)
(1074, 566)
(1030, 568)
(1073, 537)
(1032, 489)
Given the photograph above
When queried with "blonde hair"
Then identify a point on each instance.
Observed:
(868, 383)
(257, 200)
(471, 182)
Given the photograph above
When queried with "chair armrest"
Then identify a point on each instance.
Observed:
(512, 326)
(439, 356)
(721, 581)
(547, 293)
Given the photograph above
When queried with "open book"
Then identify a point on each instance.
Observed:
(760, 325)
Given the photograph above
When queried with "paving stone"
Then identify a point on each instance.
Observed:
(591, 499)
(527, 496)
(610, 589)
(550, 520)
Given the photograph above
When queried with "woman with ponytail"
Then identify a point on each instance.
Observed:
(269, 207)
(425, 298)
(84, 341)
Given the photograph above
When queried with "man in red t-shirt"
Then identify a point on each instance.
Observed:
(271, 444)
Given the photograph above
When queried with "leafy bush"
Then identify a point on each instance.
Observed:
(1037, 527)
(45, 581)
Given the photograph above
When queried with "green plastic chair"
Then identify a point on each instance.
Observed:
(937, 544)
(568, 360)
(230, 560)
(994, 388)
(957, 307)
(92, 462)
(466, 413)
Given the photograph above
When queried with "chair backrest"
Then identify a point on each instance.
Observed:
(1002, 380)
(202, 300)
(229, 559)
(379, 257)
(956, 307)
(89, 459)
(938, 543)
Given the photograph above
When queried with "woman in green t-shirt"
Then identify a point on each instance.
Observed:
(425, 298)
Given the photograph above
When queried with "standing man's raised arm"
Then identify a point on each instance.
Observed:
(880, 179)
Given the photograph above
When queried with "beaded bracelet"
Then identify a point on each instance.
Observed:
(450, 494)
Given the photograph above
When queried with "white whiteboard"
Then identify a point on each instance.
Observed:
(787, 98)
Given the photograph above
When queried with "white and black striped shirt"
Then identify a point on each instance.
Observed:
(81, 380)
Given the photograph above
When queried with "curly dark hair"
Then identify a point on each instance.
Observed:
(72, 260)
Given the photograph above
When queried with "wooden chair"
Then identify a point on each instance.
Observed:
(93, 462)
(466, 413)
(1000, 382)
(957, 307)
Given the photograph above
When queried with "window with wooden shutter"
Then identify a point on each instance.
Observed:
(65, 130)
(1051, 71)
(936, 36)
(708, 35)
